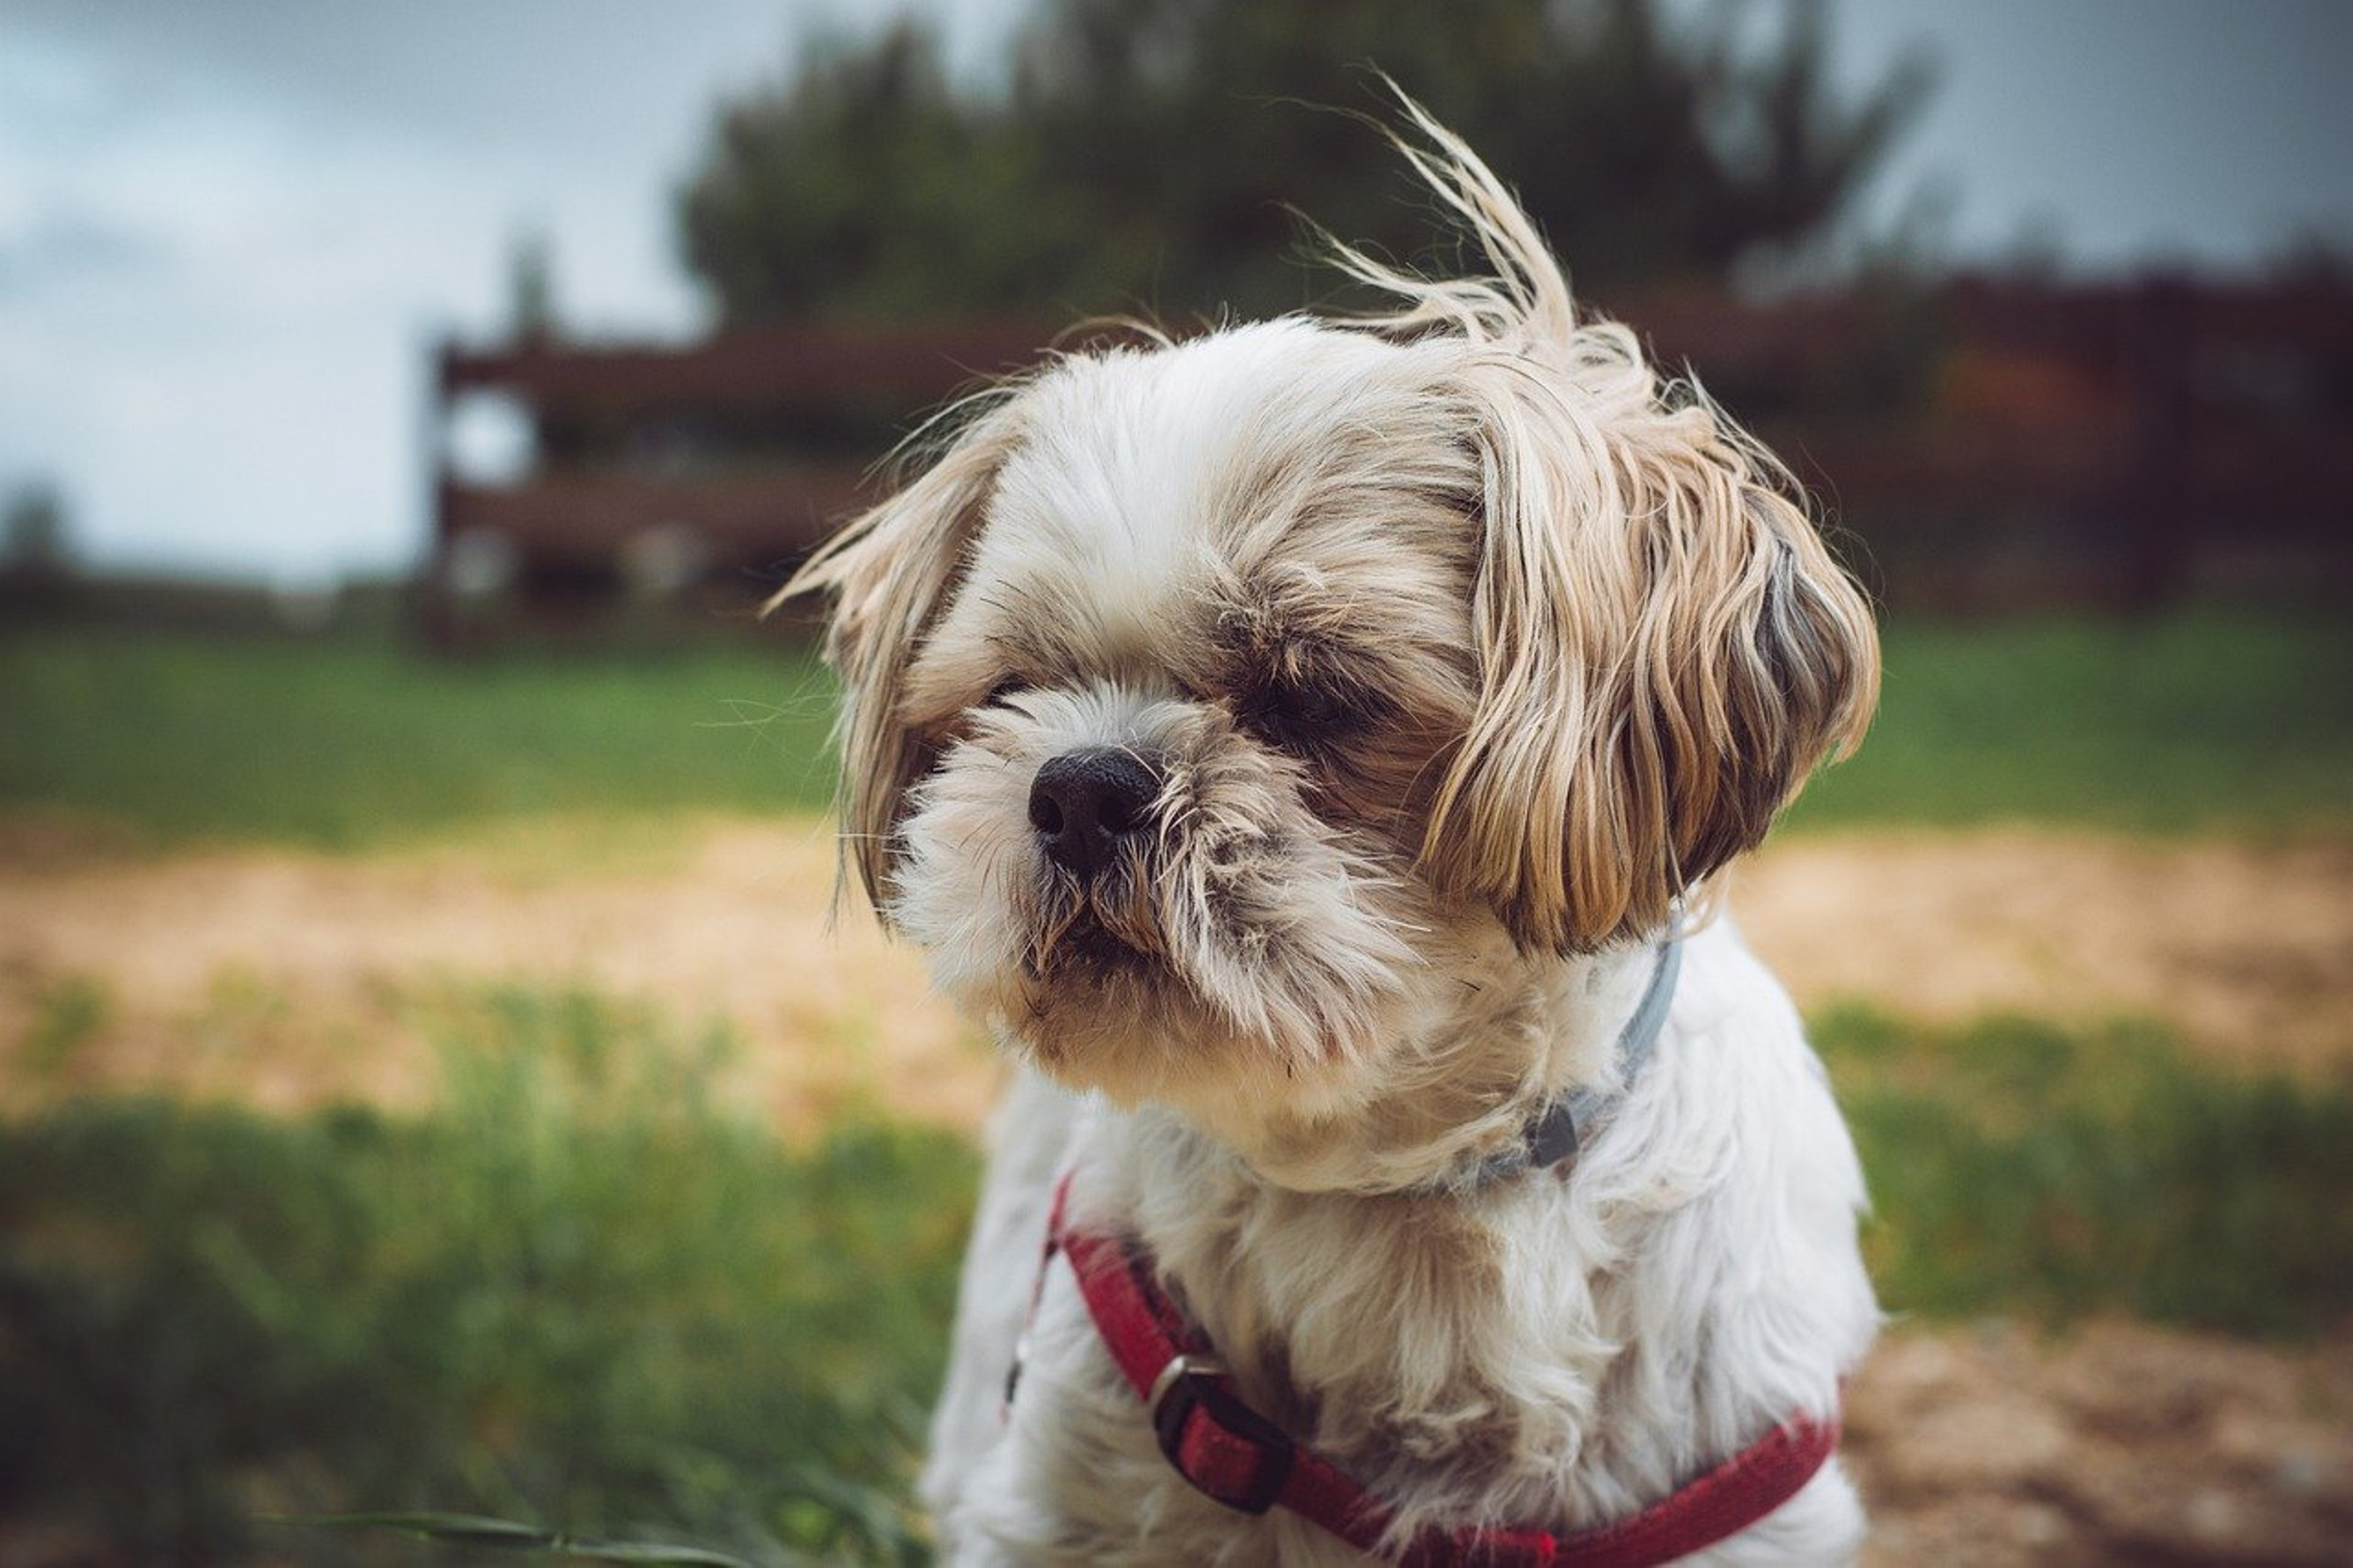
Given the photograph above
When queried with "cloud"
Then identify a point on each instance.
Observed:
(223, 299)
(66, 244)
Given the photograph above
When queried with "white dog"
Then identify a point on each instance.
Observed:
(1305, 745)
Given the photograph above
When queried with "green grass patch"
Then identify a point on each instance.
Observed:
(2203, 722)
(68, 1013)
(345, 744)
(585, 1296)
(581, 1294)
(2022, 1168)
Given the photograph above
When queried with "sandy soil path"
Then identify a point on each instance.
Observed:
(320, 964)
(2121, 1446)
(2248, 952)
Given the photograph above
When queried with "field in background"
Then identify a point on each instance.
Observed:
(2213, 722)
(575, 1276)
(365, 743)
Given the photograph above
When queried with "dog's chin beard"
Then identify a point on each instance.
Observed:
(1103, 999)
(1094, 928)
(1081, 946)
(1101, 1002)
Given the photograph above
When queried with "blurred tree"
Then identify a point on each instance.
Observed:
(1143, 152)
(34, 539)
(866, 186)
(531, 288)
(38, 568)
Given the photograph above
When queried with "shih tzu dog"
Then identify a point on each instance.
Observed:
(1309, 746)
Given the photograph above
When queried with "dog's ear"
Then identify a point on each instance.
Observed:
(889, 573)
(1666, 648)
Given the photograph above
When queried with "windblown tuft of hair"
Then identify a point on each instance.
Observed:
(1667, 648)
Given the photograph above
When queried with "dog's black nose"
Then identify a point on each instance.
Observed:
(1083, 802)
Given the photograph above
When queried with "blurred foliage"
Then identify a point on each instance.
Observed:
(581, 1292)
(38, 566)
(1145, 152)
(2019, 1166)
(531, 289)
(36, 537)
(68, 1013)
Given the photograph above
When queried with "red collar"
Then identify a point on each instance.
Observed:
(1238, 1457)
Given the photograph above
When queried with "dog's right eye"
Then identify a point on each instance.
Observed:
(1001, 691)
(1310, 708)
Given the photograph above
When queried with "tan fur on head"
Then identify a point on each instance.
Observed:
(1666, 648)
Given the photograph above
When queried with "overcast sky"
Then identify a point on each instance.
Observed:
(228, 227)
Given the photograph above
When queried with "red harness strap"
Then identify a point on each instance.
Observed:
(1238, 1457)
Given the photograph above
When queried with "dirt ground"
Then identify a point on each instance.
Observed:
(2248, 952)
(2118, 1445)
(333, 963)
(2121, 1444)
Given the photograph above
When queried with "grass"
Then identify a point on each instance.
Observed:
(2204, 723)
(342, 744)
(2199, 722)
(581, 1294)
(2022, 1168)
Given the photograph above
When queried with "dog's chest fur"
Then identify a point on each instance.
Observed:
(1555, 1350)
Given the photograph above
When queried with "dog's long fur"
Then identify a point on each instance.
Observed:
(1463, 650)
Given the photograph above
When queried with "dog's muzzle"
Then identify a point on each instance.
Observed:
(1085, 804)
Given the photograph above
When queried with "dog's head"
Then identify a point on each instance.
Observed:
(1215, 707)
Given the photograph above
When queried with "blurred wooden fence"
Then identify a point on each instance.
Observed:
(1997, 444)
(1984, 445)
(661, 475)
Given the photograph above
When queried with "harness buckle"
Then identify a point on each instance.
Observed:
(1233, 1455)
